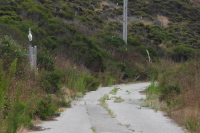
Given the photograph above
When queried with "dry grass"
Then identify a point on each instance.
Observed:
(118, 100)
(185, 107)
(196, 2)
(146, 22)
(163, 19)
(104, 3)
(111, 6)
(22, 129)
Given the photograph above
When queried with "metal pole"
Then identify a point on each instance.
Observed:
(35, 57)
(32, 58)
(125, 21)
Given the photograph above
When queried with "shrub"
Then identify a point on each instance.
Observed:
(81, 82)
(4, 2)
(51, 81)
(133, 41)
(115, 41)
(45, 108)
(10, 50)
(50, 42)
(152, 52)
(13, 112)
(18, 114)
(92, 83)
(182, 53)
(45, 62)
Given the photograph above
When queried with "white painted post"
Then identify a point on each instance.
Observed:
(148, 55)
(32, 55)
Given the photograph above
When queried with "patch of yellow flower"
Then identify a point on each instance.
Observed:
(61, 110)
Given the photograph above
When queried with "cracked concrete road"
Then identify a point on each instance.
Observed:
(87, 116)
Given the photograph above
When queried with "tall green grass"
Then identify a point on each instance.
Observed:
(13, 112)
(81, 82)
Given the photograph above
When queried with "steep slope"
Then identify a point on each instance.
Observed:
(80, 46)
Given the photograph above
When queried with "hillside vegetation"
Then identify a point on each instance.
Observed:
(80, 47)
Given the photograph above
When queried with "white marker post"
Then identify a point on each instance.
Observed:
(32, 53)
(148, 55)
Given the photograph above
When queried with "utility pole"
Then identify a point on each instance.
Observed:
(125, 21)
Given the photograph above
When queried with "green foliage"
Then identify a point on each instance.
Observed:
(45, 61)
(152, 52)
(133, 41)
(81, 82)
(5, 80)
(182, 53)
(158, 23)
(113, 41)
(153, 88)
(51, 42)
(104, 98)
(137, 71)
(88, 51)
(114, 91)
(18, 114)
(168, 87)
(192, 124)
(118, 100)
(4, 2)
(107, 79)
(13, 112)
(45, 108)
(10, 50)
(92, 83)
(51, 81)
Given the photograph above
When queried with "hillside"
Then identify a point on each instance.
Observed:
(80, 47)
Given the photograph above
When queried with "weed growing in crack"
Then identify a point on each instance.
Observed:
(118, 100)
(114, 91)
(128, 91)
(105, 105)
(93, 129)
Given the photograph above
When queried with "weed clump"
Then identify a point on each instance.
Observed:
(114, 91)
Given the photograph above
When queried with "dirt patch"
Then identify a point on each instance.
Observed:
(196, 2)
(111, 6)
(163, 19)
(22, 129)
(37, 120)
(104, 3)
(37, 128)
(146, 22)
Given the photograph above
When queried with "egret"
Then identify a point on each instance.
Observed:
(30, 35)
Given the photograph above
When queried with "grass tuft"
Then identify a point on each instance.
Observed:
(114, 91)
(118, 100)
(105, 105)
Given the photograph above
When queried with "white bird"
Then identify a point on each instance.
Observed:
(30, 35)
